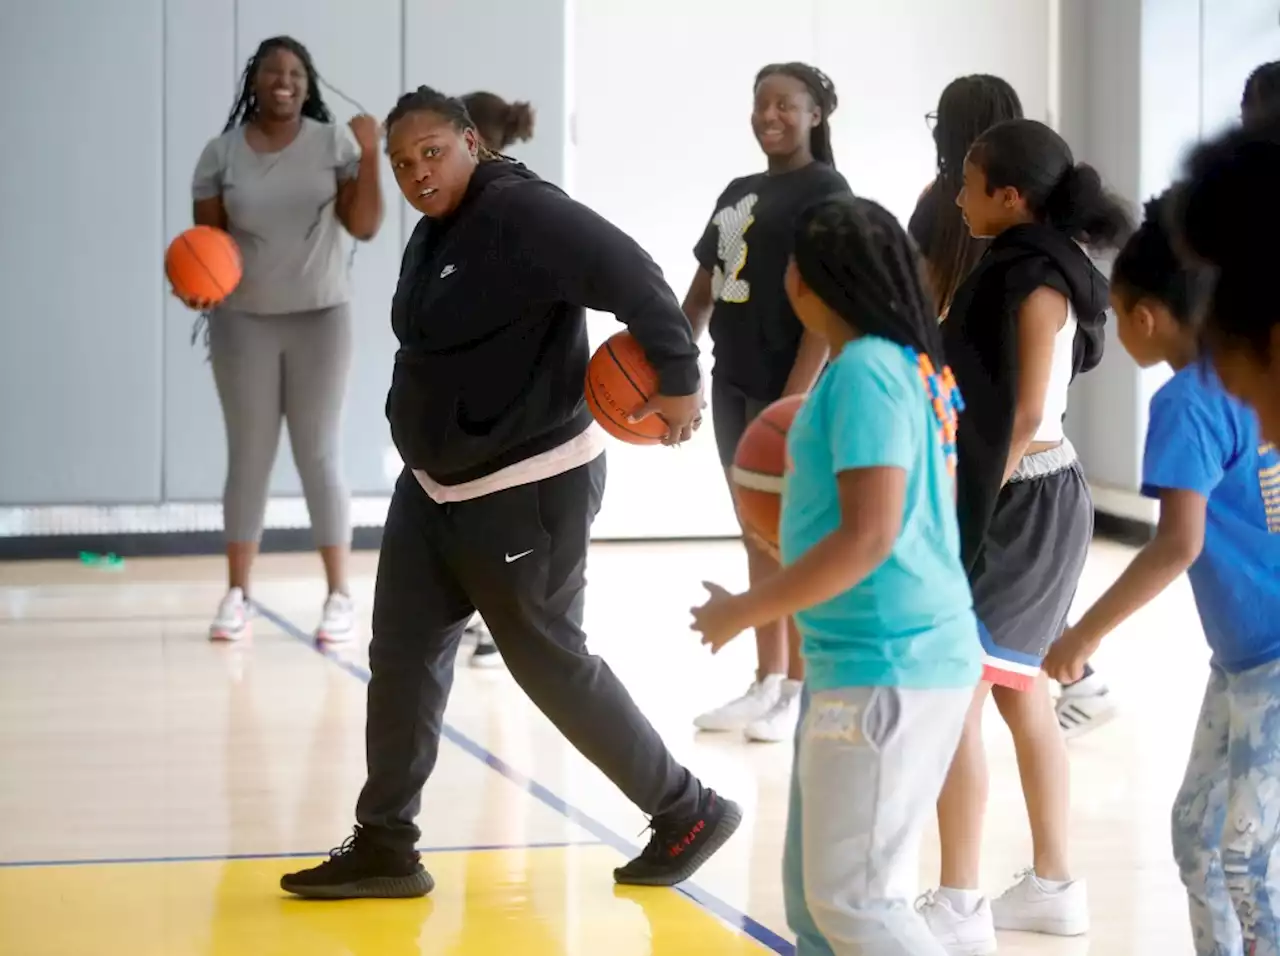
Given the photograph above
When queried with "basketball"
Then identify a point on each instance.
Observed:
(759, 465)
(619, 382)
(203, 265)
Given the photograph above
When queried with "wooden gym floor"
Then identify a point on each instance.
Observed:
(153, 786)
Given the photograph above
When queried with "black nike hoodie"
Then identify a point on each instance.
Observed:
(490, 312)
(980, 339)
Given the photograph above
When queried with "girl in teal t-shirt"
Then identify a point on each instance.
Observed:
(872, 573)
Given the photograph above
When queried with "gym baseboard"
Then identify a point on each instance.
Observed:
(62, 547)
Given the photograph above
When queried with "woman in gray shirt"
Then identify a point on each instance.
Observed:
(286, 182)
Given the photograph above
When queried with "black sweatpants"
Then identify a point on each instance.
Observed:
(519, 558)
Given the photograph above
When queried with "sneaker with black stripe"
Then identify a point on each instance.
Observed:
(679, 847)
(1084, 706)
(362, 869)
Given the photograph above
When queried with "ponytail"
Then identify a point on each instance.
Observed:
(1028, 156)
(1080, 206)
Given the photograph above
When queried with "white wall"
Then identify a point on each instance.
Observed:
(662, 96)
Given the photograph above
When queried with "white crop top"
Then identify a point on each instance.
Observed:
(1055, 399)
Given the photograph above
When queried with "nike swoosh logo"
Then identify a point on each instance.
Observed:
(517, 557)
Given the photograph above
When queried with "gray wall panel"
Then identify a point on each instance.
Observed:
(80, 240)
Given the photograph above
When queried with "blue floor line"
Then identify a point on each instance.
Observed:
(318, 854)
(713, 904)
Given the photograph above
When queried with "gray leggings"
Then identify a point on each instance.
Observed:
(273, 368)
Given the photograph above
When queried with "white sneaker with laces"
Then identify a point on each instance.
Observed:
(231, 622)
(778, 723)
(1034, 906)
(1084, 706)
(959, 935)
(736, 714)
(337, 620)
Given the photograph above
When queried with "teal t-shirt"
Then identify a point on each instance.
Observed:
(910, 623)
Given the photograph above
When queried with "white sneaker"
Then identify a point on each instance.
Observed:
(779, 721)
(231, 623)
(736, 714)
(959, 935)
(1032, 907)
(337, 620)
(1084, 706)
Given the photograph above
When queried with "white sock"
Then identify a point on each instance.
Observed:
(964, 902)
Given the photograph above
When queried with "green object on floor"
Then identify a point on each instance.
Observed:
(110, 562)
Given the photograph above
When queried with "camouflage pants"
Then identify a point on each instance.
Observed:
(1226, 818)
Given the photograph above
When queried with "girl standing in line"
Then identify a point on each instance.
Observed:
(1218, 484)
(1021, 326)
(762, 352)
(967, 108)
(499, 124)
(285, 181)
(872, 573)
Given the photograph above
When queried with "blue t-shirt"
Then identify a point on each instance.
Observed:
(1201, 439)
(910, 623)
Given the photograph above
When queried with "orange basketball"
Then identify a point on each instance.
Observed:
(759, 465)
(203, 265)
(619, 381)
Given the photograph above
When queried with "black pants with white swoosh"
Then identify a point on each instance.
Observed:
(519, 558)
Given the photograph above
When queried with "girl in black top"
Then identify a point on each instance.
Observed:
(1026, 320)
(504, 475)
(762, 352)
(968, 107)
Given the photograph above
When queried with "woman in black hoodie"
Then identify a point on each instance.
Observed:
(504, 474)
(1022, 325)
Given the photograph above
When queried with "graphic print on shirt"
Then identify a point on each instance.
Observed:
(732, 223)
(1269, 485)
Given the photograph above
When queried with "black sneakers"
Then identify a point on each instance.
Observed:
(361, 868)
(679, 847)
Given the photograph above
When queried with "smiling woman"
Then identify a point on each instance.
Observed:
(505, 473)
(285, 181)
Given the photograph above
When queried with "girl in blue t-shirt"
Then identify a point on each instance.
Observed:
(872, 574)
(1218, 484)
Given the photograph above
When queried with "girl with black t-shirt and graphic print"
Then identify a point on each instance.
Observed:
(762, 352)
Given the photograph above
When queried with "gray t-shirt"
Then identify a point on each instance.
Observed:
(280, 210)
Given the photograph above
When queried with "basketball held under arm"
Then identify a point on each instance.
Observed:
(1040, 318)
(587, 261)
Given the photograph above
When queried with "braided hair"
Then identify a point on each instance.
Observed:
(823, 93)
(246, 106)
(856, 258)
(968, 107)
(425, 99)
